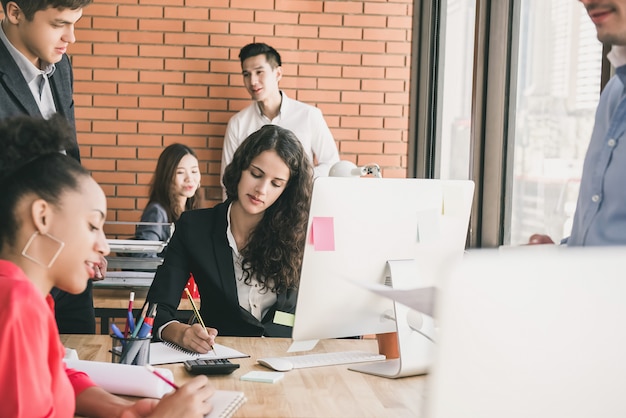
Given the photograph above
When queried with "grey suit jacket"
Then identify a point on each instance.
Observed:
(17, 99)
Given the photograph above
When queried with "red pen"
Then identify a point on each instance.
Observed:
(160, 376)
(130, 314)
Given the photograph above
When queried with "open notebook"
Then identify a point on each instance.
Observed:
(125, 379)
(225, 403)
(164, 353)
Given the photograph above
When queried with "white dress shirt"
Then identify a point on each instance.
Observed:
(305, 121)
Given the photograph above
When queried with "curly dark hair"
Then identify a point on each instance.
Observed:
(30, 7)
(32, 163)
(161, 190)
(276, 245)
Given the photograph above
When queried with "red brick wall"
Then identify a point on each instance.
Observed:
(152, 72)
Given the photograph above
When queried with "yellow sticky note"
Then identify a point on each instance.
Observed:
(284, 318)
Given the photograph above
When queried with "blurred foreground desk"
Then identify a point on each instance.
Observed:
(332, 391)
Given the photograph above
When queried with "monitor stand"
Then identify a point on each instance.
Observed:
(415, 350)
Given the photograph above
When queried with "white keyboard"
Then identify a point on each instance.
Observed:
(320, 359)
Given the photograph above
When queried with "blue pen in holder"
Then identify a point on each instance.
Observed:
(130, 350)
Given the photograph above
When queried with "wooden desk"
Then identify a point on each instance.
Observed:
(113, 303)
(332, 391)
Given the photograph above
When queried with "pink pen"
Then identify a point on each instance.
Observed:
(160, 376)
(130, 314)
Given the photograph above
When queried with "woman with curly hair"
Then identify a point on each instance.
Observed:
(245, 253)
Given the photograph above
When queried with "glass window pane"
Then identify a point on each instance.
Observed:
(458, 50)
(558, 87)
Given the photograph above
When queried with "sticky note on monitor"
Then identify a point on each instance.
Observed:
(428, 226)
(322, 234)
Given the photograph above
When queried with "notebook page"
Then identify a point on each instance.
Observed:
(225, 403)
(162, 353)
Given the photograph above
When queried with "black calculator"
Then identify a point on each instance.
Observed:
(210, 366)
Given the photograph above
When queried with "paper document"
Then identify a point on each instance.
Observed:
(124, 379)
(422, 299)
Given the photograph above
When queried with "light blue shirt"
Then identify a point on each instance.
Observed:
(600, 217)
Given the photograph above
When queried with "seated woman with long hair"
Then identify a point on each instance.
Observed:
(245, 254)
(175, 188)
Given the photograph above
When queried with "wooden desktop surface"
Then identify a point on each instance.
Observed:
(332, 391)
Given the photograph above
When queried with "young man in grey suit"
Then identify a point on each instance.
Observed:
(36, 79)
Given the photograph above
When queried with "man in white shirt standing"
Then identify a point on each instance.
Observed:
(261, 69)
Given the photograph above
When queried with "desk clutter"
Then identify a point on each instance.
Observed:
(300, 392)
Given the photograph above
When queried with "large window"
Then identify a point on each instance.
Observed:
(507, 99)
(558, 86)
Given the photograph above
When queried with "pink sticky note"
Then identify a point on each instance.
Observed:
(322, 234)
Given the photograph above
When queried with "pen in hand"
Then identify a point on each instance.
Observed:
(197, 314)
(160, 376)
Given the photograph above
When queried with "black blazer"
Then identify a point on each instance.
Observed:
(17, 99)
(74, 313)
(200, 246)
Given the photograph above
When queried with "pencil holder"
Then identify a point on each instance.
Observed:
(130, 350)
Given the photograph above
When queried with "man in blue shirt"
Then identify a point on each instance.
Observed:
(600, 217)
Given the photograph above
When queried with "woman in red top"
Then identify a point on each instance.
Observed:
(51, 218)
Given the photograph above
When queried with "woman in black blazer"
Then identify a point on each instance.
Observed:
(245, 253)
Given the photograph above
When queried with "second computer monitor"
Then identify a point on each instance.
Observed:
(355, 226)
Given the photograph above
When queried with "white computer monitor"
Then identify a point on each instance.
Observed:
(357, 225)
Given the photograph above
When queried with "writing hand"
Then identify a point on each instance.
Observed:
(198, 339)
(190, 400)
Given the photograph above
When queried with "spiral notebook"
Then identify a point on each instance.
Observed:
(138, 381)
(225, 403)
(164, 353)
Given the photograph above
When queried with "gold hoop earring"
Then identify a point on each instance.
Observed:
(33, 259)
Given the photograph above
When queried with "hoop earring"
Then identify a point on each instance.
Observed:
(33, 259)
